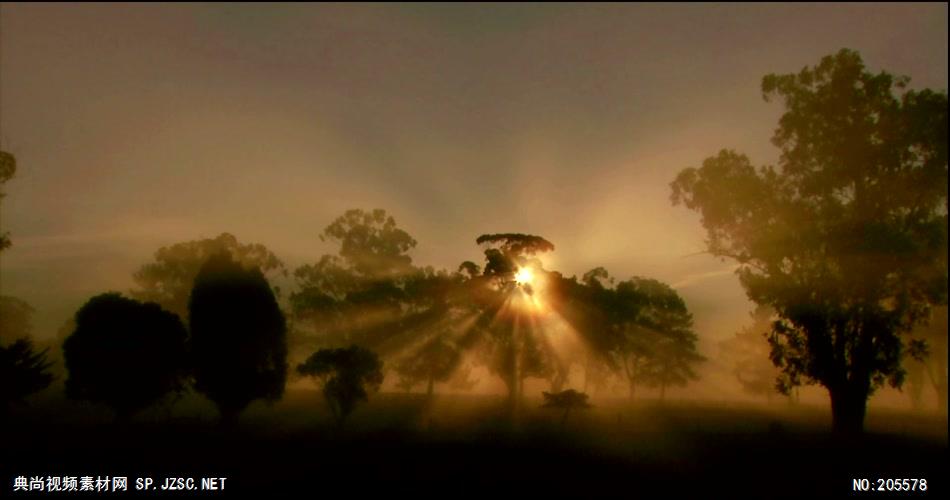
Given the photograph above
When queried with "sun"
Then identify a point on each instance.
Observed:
(524, 276)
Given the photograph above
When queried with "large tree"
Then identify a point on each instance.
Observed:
(503, 295)
(124, 354)
(343, 296)
(846, 238)
(169, 279)
(370, 294)
(238, 336)
(639, 328)
(7, 171)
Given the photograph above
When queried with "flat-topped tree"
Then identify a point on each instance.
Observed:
(846, 238)
(506, 252)
(511, 347)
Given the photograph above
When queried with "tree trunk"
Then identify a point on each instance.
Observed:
(564, 417)
(848, 408)
(430, 388)
(662, 392)
(632, 390)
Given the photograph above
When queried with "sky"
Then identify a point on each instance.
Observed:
(139, 126)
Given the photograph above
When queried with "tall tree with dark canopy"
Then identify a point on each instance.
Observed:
(168, 280)
(238, 336)
(348, 375)
(847, 237)
(124, 354)
(7, 171)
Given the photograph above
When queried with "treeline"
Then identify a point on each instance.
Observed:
(843, 241)
(204, 316)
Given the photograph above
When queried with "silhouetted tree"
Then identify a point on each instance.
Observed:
(23, 371)
(660, 338)
(7, 171)
(347, 375)
(566, 400)
(847, 238)
(370, 294)
(239, 339)
(639, 328)
(508, 330)
(168, 281)
(342, 297)
(124, 354)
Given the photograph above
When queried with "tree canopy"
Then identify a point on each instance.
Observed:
(238, 336)
(169, 279)
(23, 371)
(347, 374)
(846, 238)
(7, 171)
(362, 285)
(125, 354)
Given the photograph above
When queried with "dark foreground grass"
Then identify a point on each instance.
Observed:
(451, 447)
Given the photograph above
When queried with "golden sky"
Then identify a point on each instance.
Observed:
(137, 126)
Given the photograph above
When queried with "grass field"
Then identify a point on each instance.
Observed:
(467, 445)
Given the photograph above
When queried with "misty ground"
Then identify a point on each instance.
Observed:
(466, 445)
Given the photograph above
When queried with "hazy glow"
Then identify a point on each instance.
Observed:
(182, 121)
(524, 276)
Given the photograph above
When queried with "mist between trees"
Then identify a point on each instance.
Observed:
(842, 244)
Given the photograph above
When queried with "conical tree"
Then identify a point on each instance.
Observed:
(239, 336)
